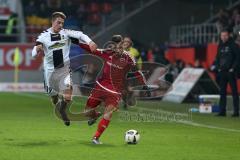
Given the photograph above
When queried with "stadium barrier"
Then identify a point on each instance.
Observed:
(188, 83)
(21, 87)
(26, 60)
(200, 34)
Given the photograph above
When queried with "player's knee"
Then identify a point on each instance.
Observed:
(107, 115)
(111, 108)
(67, 98)
(108, 112)
(67, 94)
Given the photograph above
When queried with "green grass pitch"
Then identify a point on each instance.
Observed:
(30, 131)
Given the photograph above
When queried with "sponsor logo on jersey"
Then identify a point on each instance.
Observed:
(114, 65)
(56, 45)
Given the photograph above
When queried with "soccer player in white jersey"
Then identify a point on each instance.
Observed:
(54, 44)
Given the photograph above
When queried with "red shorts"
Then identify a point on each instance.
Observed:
(99, 94)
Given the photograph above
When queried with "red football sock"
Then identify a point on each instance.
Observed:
(102, 125)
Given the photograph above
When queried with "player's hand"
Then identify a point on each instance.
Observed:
(147, 91)
(39, 49)
(92, 46)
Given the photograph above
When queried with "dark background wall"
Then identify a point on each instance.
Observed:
(153, 23)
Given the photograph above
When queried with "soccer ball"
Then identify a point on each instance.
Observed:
(132, 136)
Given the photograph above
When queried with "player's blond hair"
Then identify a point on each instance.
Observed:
(55, 15)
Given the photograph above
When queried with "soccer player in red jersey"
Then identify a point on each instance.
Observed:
(109, 87)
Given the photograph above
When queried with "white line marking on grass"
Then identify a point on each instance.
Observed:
(32, 96)
(38, 96)
(195, 124)
(209, 126)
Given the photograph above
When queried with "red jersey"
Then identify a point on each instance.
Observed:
(115, 69)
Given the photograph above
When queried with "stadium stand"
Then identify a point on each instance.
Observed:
(81, 15)
(206, 32)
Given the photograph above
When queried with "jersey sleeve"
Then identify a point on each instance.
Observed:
(83, 38)
(137, 73)
(40, 39)
(99, 52)
(34, 52)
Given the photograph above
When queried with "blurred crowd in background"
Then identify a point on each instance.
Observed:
(156, 52)
(90, 16)
(79, 12)
(228, 19)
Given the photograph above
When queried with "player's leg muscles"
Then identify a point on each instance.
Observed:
(104, 122)
(66, 98)
(63, 103)
(67, 95)
(108, 112)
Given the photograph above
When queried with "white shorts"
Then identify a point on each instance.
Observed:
(58, 80)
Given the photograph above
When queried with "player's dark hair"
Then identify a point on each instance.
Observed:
(130, 40)
(225, 30)
(58, 14)
(117, 38)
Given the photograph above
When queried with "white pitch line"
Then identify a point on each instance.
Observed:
(32, 96)
(209, 126)
(39, 96)
(195, 124)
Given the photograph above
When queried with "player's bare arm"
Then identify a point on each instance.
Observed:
(93, 46)
(98, 52)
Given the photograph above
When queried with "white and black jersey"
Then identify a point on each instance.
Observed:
(56, 47)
